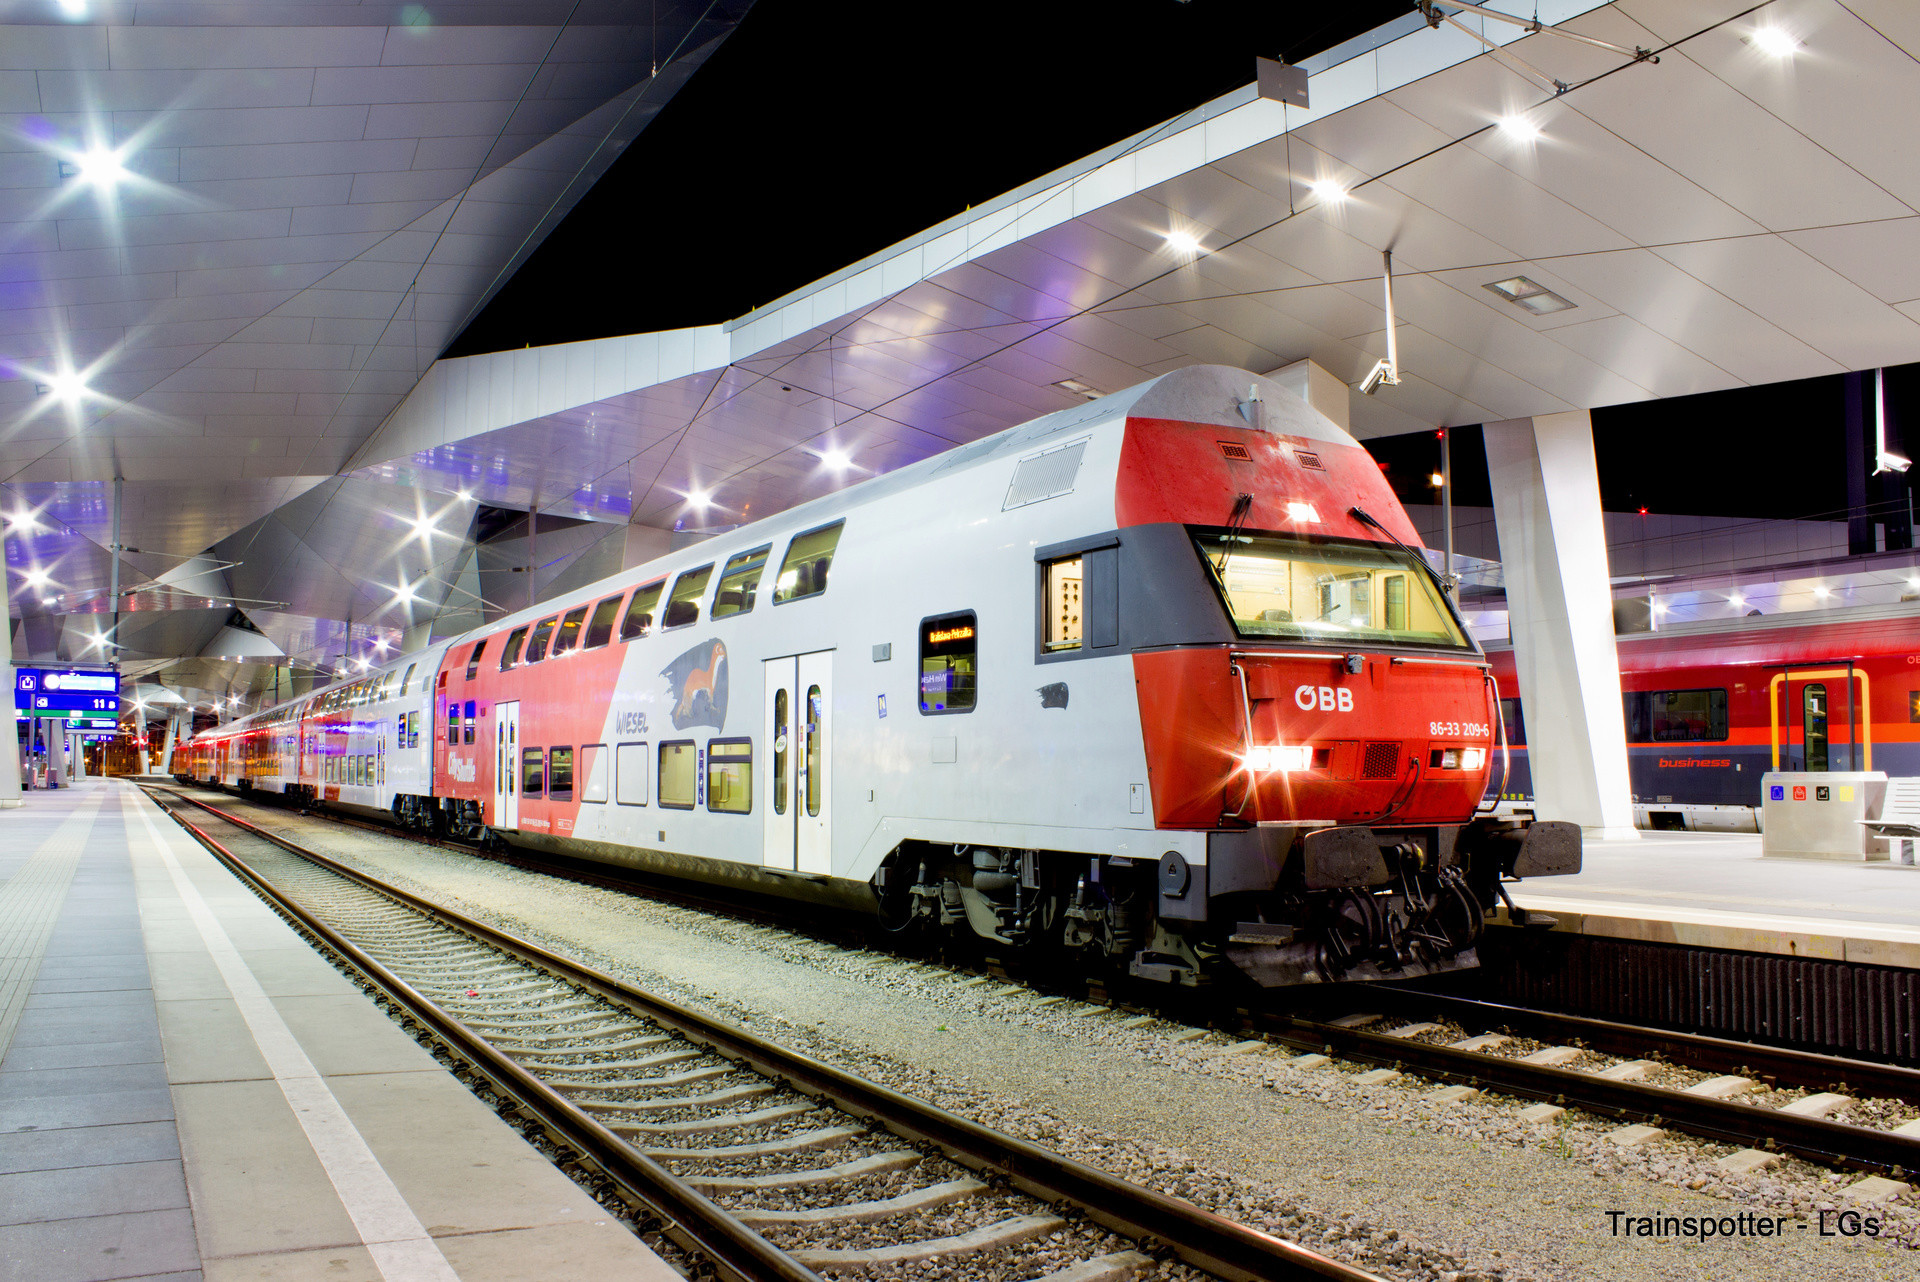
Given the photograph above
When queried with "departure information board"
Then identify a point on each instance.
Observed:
(57, 692)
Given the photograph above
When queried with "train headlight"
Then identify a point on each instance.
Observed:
(1472, 758)
(1280, 757)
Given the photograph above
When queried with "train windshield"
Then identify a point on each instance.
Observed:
(1338, 592)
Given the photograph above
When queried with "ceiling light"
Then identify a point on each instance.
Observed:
(1530, 295)
(423, 528)
(1328, 190)
(1776, 41)
(24, 521)
(1436, 480)
(1078, 388)
(1183, 242)
(466, 496)
(1736, 600)
(1820, 591)
(100, 166)
(65, 386)
(36, 577)
(380, 644)
(836, 460)
(360, 664)
(1519, 128)
(700, 498)
(49, 600)
(74, 8)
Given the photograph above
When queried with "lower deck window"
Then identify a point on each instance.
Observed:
(593, 772)
(678, 774)
(560, 774)
(630, 774)
(730, 776)
(533, 772)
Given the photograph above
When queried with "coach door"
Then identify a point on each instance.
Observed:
(506, 766)
(795, 798)
(1820, 719)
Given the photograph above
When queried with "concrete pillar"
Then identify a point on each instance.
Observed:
(1553, 547)
(10, 765)
(78, 744)
(140, 756)
(166, 753)
(56, 732)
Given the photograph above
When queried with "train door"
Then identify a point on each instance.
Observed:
(506, 770)
(795, 800)
(1820, 719)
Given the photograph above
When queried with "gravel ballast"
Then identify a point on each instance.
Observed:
(1380, 1175)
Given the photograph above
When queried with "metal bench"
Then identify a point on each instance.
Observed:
(1899, 820)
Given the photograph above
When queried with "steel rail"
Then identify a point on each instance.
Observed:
(703, 1225)
(1211, 1242)
(1815, 1138)
(1782, 1064)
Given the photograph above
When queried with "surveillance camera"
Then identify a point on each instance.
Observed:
(1380, 373)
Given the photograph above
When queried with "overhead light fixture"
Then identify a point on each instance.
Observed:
(1820, 591)
(1329, 191)
(465, 496)
(98, 166)
(1775, 41)
(1736, 600)
(1387, 369)
(424, 528)
(66, 386)
(1078, 388)
(836, 460)
(49, 600)
(1436, 480)
(1183, 242)
(700, 498)
(1519, 128)
(1530, 295)
(73, 8)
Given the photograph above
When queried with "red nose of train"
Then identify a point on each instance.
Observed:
(1275, 736)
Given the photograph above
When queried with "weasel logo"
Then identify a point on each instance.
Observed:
(698, 683)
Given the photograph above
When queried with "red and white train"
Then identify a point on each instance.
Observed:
(1711, 707)
(1157, 678)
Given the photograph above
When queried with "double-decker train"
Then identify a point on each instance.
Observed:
(1159, 678)
(1711, 707)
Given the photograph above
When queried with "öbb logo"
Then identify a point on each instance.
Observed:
(1325, 698)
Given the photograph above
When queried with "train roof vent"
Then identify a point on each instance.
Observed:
(1046, 475)
(1236, 451)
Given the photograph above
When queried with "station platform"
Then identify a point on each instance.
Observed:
(1714, 890)
(188, 1090)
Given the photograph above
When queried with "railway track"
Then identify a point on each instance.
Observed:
(1767, 1101)
(761, 1161)
(1652, 1080)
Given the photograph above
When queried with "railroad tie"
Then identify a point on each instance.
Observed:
(555, 1078)
(1631, 1070)
(798, 1142)
(921, 1199)
(1553, 1056)
(1722, 1087)
(1484, 1042)
(1746, 1161)
(1011, 1232)
(878, 1164)
(1820, 1105)
(1356, 1021)
(725, 1122)
(712, 1099)
(1635, 1136)
(1412, 1030)
(1117, 1267)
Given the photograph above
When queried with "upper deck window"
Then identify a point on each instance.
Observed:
(473, 662)
(569, 634)
(1335, 591)
(537, 648)
(639, 620)
(600, 627)
(683, 607)
(511, 655)
(740, 582)
(809, 556)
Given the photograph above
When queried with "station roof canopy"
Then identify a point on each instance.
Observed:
(1728, 215)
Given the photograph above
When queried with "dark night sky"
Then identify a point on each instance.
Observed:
(819, 134)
